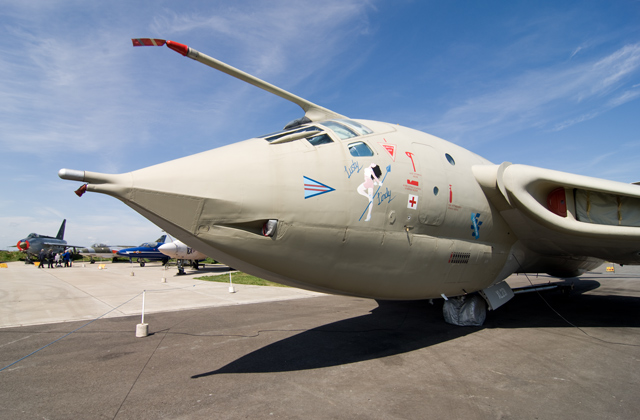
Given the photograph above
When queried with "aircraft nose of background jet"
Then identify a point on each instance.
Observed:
(169, 249)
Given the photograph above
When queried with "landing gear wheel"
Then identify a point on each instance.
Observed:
(465, 311)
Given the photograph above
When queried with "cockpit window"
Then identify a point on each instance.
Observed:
(320, 139)
(344, 129)
(360, 149)
(341, 130)
(276, 136)
(359, 128)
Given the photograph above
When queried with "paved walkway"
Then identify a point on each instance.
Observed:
(330, 357)
(31, 296)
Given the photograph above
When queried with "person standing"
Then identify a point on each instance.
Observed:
(50, 258)
(42, 256)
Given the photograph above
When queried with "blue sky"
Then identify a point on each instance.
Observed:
(550, 84)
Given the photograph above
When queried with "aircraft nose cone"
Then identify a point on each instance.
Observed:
(169, 249)
(23, 245)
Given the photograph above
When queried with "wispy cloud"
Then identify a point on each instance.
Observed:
(576, 51)
(75, 90)
(62, 92)
(273, 34)
(546, 98)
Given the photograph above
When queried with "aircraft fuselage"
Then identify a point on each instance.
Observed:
(431, 231)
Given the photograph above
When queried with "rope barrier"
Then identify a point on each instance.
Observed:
(93, 320)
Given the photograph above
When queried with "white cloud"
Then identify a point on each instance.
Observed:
(271, 35)
(62, 91)
(539, 98)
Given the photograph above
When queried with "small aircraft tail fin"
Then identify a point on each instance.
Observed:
(161, 239)
(60, 234)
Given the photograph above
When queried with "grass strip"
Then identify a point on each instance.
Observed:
(240, 278)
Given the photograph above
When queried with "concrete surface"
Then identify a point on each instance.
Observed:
(331, 357)
(30, 295)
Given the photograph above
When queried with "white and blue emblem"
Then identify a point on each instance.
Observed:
(475, 225)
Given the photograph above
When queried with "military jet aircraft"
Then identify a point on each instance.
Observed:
(33, 243)
(99, 250)
(377, 210)
(181, 252)
(147, 250)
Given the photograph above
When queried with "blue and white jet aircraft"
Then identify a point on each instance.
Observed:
(147, 250)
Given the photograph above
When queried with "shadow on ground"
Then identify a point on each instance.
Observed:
(399, 327)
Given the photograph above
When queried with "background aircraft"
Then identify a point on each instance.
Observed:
(181, 252)
(371, 209)
(147, 250)
(33, 243)
(102, 251)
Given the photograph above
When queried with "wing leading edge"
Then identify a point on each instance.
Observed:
(312, 111)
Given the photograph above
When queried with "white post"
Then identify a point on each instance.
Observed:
(231, 289)
(142, 329)
(144, 293)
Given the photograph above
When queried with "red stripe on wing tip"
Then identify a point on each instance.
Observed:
(148, 42)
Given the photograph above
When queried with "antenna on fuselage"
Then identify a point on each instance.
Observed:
(312, 111)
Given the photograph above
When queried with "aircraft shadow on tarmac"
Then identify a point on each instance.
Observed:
(401, 327)
(204, 270)
(211, 269)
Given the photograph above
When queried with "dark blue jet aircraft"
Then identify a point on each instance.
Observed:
(147, 250)
(32, 244)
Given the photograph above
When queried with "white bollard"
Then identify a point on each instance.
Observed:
(231, 289)
(142, 329)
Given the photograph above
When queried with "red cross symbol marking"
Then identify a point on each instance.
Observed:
(413, 201)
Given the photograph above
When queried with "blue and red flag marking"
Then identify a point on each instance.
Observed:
(313, 188)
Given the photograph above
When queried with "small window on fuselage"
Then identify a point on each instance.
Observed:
(360, 149)
(450, 159)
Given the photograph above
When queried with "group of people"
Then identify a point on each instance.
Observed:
(54, 259)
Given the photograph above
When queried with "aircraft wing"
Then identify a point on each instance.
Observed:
(58, 244)
(312, 111)
(561, 214)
